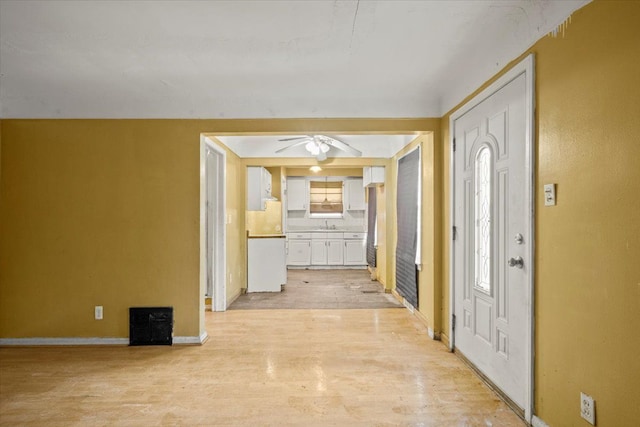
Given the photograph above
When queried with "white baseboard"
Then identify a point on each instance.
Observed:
(62, 341)
(408, 305)
(27, 342)
(537, 422)
(191, 340)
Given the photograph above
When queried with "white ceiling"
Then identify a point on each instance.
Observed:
(258, 59)
(374, 146)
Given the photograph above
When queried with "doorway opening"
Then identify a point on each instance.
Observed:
(212, 226)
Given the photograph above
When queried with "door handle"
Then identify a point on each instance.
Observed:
(517, 262)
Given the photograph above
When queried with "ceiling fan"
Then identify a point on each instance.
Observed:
(319, 145)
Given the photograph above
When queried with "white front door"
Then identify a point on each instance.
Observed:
(492, 237)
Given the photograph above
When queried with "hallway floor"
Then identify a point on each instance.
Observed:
(369, 367)
(328, 289)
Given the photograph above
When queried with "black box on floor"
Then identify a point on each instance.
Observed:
(150, 325)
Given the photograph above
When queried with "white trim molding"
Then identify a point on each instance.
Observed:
(191, 340)
(92, 341)
(62, 341)
(219, 296)
(537, 422)
(525, 67)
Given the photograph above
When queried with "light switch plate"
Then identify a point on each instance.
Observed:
(549, 194)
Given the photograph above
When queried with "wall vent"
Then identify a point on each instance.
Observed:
(151, 326)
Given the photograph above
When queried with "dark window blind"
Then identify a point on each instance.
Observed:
(407, 195)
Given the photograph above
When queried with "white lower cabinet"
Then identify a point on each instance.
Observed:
(355, 251)
(335, 252)
(318, 252)
(328, 249)
(299, 249)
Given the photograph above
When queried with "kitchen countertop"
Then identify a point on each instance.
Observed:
(266, 236)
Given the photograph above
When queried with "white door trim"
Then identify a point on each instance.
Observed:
(219, 279)
(526, 67)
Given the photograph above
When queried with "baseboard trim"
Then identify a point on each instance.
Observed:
(191, 340)
(432, 334)
(537, 422)
(34, 342)
(62, 341)
(445, 340)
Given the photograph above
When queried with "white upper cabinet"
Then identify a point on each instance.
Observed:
(372, 175)
(355, 194)
(258, 188)
(296, 194)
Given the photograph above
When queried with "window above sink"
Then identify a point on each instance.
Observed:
(326, 199)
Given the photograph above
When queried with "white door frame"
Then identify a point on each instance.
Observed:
(526, 67)
(219, 225)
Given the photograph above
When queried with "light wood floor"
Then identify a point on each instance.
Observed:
(371, 367)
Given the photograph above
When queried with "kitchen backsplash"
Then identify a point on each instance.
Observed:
(352, 221)
(268, 221)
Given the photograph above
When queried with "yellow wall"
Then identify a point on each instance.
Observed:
(268, 221)
(97, 213)
(236, 234)
(106, 212)
(587, 278)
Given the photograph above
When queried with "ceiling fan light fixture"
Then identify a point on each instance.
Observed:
(319, 145)
(312, 147)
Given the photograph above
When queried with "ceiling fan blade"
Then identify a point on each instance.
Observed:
(296, 144)
(343, 146)
(294, 138)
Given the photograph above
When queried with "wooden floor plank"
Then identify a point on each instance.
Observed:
(369, 367)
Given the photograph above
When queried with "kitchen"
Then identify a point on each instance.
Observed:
(306, 218)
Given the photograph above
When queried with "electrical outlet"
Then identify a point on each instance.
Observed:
(98, 312)
(588, 408)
